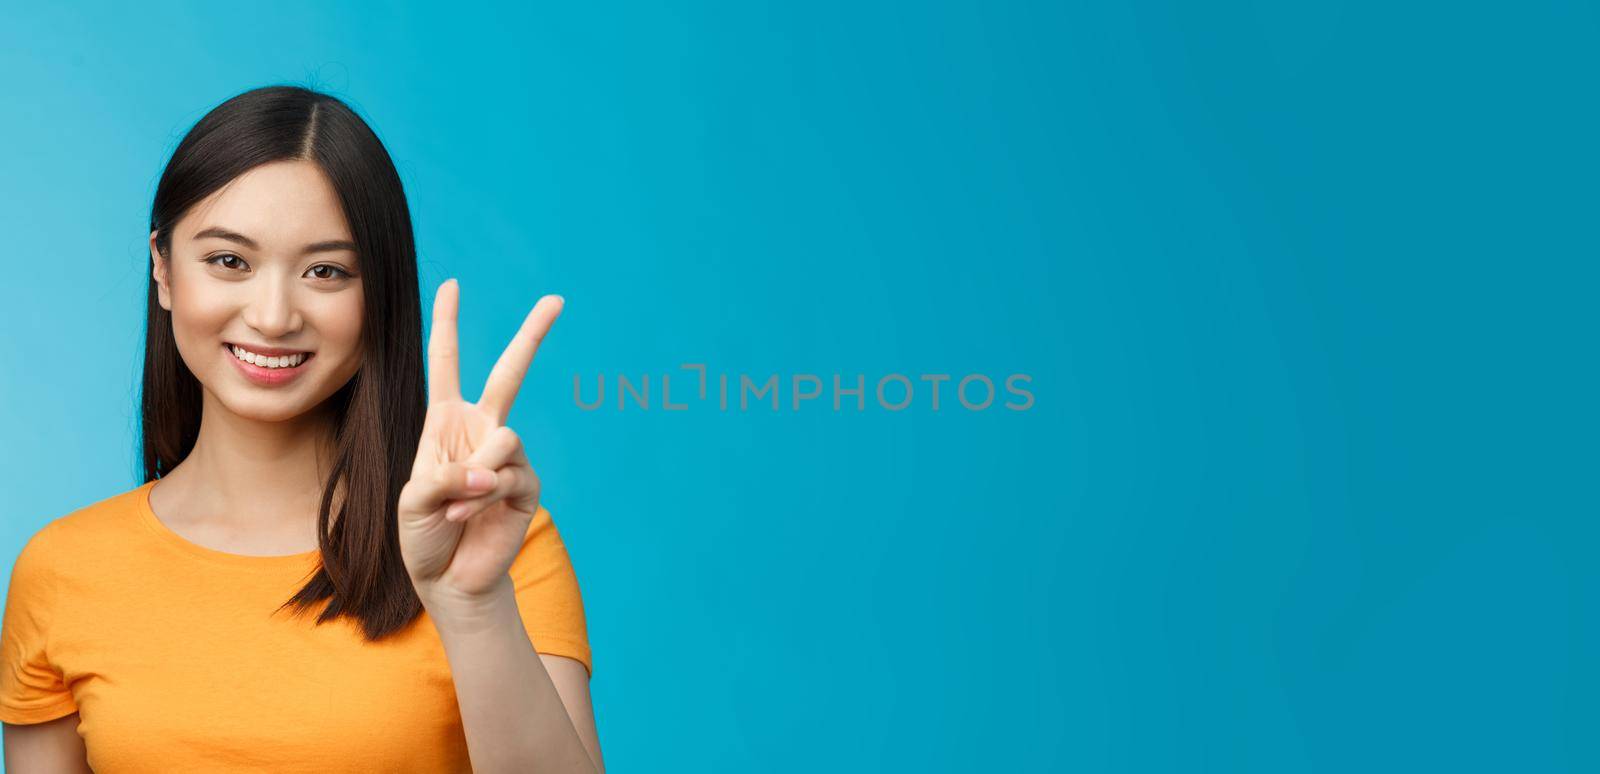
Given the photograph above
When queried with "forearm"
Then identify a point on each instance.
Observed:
(513, 716)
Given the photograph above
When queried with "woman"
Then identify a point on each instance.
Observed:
(330, 567)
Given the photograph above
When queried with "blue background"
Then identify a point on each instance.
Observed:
(1306, 294)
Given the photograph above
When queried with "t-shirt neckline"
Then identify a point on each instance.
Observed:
(147, 516)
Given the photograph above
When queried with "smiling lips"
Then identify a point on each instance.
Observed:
(268, 370)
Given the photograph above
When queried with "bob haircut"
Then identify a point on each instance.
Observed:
(379, 412)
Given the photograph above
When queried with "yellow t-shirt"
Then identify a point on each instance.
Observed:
(177, 660)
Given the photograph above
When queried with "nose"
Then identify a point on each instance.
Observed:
(271, 308)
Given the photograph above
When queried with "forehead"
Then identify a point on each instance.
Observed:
(284, 205)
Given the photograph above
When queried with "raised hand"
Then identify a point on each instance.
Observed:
(472, 494)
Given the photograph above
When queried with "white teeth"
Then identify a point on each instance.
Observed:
(285, 361)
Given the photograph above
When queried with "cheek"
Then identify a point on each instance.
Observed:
(197, 316)
(338, 322)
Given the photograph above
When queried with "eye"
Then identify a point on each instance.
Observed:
(219, 259)
(331, 272)
(331, 268)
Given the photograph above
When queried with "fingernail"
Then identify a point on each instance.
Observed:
(455, 511)
(480, 479)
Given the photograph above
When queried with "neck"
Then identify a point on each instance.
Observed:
(259, 473)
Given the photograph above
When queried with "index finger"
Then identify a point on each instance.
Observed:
(444, 360)
(506, 378)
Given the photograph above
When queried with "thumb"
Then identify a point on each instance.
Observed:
(448, 481)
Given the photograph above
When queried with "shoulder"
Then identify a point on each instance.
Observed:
(543, 560)
(548, 594)
(543, 542)
(102, 523)
(542, 527)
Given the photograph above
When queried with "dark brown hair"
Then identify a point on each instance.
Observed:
(379, 412)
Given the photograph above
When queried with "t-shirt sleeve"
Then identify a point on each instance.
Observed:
(547, 593)
(32, 689)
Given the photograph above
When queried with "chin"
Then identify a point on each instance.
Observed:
(266, 408)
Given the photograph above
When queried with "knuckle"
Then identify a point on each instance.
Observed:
(513, 441)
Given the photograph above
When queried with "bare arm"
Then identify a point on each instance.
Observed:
(572, 683)
(51, 747)
(519, 714)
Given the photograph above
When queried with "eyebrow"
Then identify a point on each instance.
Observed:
(217, 232)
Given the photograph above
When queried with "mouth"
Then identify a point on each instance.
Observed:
(267, 369)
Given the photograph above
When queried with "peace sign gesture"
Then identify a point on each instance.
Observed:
(472, 494)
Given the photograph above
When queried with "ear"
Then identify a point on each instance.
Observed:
(159, 271)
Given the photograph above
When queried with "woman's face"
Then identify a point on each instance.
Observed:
(266, 263)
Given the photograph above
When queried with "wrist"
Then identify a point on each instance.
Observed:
(454, 613)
